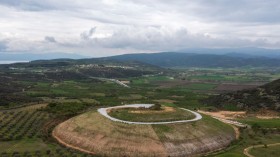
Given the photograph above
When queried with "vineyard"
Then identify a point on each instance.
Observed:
(25, 132)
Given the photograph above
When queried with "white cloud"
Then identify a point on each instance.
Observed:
(104, 27)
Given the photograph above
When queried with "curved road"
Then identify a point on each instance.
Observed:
(103, 111)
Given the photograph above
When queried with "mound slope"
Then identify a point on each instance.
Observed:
(92, 132)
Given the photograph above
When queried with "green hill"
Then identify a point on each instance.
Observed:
(263, 97)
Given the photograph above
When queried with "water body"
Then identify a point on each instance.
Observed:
(10, 62)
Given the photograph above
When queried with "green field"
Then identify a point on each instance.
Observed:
(262, 123)
(248, 138)
(269, 151)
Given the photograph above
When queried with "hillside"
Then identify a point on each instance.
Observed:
(263, 97)
(175, 59)
(93, 133)
(16, 78)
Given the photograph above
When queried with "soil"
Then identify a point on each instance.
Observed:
(225, 114)
(165, 109)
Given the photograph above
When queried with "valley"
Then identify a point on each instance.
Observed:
(48, 107)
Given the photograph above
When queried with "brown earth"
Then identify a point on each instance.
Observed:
(225, 114)
(165, 109)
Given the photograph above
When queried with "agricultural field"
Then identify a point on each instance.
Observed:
(37, 101)
(24, 132)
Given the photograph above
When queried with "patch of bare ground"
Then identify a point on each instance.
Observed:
(267, 114)
(225, 114)
(165, 101)
(93, 133)
(165, 109)
(177, 96)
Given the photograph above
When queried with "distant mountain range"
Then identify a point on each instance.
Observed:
(197, 57)
(176, 59)
(236, 52)
(4, 56)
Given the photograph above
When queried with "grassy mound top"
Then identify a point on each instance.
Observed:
(152, 114)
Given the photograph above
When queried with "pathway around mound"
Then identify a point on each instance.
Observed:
(103, 111)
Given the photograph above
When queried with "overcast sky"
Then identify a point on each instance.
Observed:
(109, 27)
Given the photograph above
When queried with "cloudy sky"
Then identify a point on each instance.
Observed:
(109, 27)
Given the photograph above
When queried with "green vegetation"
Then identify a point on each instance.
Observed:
(35, 97)
(261, 123)
(25, 132)
(266, 96)
(266, 151)
(248, 138)
(66, 109)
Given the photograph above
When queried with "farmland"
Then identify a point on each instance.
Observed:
(37, 99)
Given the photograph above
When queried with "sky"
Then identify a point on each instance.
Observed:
(110, 27)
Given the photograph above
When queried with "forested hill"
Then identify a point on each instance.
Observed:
(263, 97)
(176, 59)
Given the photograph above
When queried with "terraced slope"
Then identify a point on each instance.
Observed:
(94, 133)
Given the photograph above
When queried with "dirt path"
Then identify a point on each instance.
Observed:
(71, 146)
(247, 150)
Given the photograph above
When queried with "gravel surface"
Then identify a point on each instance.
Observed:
(103, 111)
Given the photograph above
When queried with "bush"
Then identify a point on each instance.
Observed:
(66, 109)
(156, 106)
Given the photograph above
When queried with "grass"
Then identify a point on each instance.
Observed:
(24, 145)
(270, 151)
(263, 123)
(248, 138)
(148, 80)
(138, 115)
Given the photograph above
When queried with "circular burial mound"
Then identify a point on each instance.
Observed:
(95, 133)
